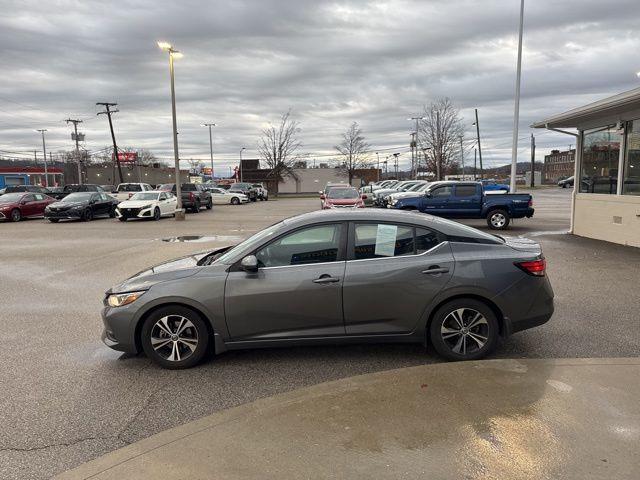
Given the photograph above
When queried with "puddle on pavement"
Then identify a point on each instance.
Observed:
(202, 238)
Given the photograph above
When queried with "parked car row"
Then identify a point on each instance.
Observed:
(124, 202)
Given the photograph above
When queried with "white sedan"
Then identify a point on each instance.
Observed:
(221, 196)
(151, 204)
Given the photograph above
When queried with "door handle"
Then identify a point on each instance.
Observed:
(326, 279)
(435, 270)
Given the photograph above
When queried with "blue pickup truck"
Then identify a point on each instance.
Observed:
(468, 200)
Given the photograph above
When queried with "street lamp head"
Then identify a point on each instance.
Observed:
(166, 46)
(638, 74)
(176, 54)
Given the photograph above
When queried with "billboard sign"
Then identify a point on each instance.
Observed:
(127, 157)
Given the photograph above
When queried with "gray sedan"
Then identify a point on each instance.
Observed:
(335, 277)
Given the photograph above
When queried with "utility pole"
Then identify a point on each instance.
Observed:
(516, 111)
(241, 163)
(475, 170)
(108, 112)
(210, 144)
(75, 128)
(477, 124)
(44, 150)
(462, 156)
(386, 169)
(396, 155)
(377, 169)
(533, 159)
(35, 157)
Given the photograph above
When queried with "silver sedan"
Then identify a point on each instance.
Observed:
(336, 277)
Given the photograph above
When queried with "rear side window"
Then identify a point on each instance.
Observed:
(382, 240)
(426, 239)
(465, 190)
(38, 196)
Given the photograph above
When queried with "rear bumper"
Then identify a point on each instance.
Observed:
(539, 312)
(530, 212)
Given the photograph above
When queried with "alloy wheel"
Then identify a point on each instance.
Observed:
(174, 338)
(498, 220)
(465, 331)
(16, 216)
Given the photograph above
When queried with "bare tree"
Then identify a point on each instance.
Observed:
(439, 137)
(279, 148)
(354, 148)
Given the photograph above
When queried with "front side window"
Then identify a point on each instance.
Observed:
(316, 244)
(600, 155)
(379, 240)
(442, 191)
(631, 178)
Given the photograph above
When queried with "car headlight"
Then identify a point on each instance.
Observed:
(121, 299)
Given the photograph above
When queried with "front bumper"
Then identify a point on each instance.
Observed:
(119, 328)
(64, 215)
(134, 212)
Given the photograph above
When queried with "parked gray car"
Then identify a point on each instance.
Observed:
(335, 277)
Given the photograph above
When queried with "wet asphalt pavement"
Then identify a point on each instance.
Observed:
(66, 398)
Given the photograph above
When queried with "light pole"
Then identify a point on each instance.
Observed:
(516, 110)
(44, 150)
(210, 144)
(241, 163)
(417, 119)
(477, 124)
(179, 213)
(378, 169)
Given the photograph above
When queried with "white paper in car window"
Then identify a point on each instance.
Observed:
(386, 240)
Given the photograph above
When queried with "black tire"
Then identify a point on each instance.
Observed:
(16, 215)
(112, 213)
(235, 201)
(196, 207)
(209, 205)
(87, 215)
(54, 220)
(444, 323)
(156, 214)
(564, 185)
(253, 199)
(122, 219)
(198, 331)
(498, 219)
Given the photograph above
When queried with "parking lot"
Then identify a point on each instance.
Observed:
(67, 398)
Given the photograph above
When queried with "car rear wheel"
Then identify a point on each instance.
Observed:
(112, 213)
(464, 329)
(235, 201)
(210, 204)
(498, 219)
(16, 215)
(175, 337)
(122, 219)
(54, 220)
(87, 215)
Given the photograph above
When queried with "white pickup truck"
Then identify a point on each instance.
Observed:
(126, 190)
(261, 192)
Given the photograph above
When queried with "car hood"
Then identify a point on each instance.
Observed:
(384, 191)
(136, 203)
(399, 195)
(342, 201)
(171, 270)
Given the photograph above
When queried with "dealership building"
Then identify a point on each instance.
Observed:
(606, 196)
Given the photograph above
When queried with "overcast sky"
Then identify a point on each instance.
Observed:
(331, 63)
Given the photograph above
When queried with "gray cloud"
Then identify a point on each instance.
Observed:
(246, 62)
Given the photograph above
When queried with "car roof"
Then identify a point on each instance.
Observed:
(448, 227)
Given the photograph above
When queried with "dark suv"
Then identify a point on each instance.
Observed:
(194, 197)
(247, 188)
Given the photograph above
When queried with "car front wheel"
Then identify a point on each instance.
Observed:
(235, 201)
(175, 337)
(16, 215)
(464, 329)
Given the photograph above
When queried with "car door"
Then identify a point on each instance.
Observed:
(297, 290)
(29, 205)
(466, 201)
(40, 204)
(436, 201)
(393, 272)
(97, 204)
(219, 196)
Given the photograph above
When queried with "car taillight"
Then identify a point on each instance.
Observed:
(531, 202)
(533, 267)
(191, 197)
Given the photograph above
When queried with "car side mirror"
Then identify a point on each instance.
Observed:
(428, 194)
(322, 196)
(249, 264)
(23, 202)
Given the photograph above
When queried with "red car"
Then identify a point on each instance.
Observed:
(342, 197)
(16, 206)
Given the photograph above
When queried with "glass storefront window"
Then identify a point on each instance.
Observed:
(631, 177)
(600, 157)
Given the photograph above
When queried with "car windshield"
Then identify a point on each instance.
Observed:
(145, 196)
(228, 257)
(11, 197)
(416, 187)
(77, 197)
(166, 186)
(343, 194)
